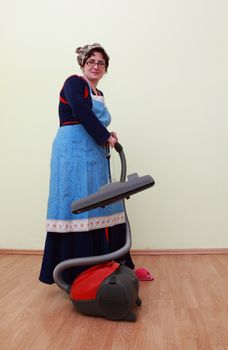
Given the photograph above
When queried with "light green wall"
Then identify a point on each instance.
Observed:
(167, 92)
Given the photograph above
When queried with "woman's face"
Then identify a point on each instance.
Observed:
(94, 67)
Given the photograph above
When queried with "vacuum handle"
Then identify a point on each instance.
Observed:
(118, 147)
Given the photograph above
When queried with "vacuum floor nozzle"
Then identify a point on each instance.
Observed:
(113, 192)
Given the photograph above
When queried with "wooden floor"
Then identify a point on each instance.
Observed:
(185, 307)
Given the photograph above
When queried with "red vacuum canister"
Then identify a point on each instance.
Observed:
(109, 290)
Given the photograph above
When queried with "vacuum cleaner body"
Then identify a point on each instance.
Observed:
(115, 297)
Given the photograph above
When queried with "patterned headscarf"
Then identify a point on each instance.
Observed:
(83, 53)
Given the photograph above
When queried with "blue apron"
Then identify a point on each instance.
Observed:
(78, 168)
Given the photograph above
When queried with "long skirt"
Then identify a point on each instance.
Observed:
(62, 246)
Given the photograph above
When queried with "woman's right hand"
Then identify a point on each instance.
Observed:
(112, 141)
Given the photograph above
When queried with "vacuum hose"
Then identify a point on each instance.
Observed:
(93, 260)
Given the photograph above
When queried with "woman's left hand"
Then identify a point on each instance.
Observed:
(112, 141)
(114, 134)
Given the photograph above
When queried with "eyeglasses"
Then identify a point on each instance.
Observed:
(92, 63)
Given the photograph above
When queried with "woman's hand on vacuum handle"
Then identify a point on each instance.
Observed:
(112, 141)
(114, 134)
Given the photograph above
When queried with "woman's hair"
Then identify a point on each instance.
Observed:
(87, 51)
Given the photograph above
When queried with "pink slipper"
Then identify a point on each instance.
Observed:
(143, 274)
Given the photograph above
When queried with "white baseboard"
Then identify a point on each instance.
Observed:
(196, 251)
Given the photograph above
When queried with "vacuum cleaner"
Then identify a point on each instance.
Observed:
(109, 288)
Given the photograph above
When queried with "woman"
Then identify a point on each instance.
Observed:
(79, 167)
